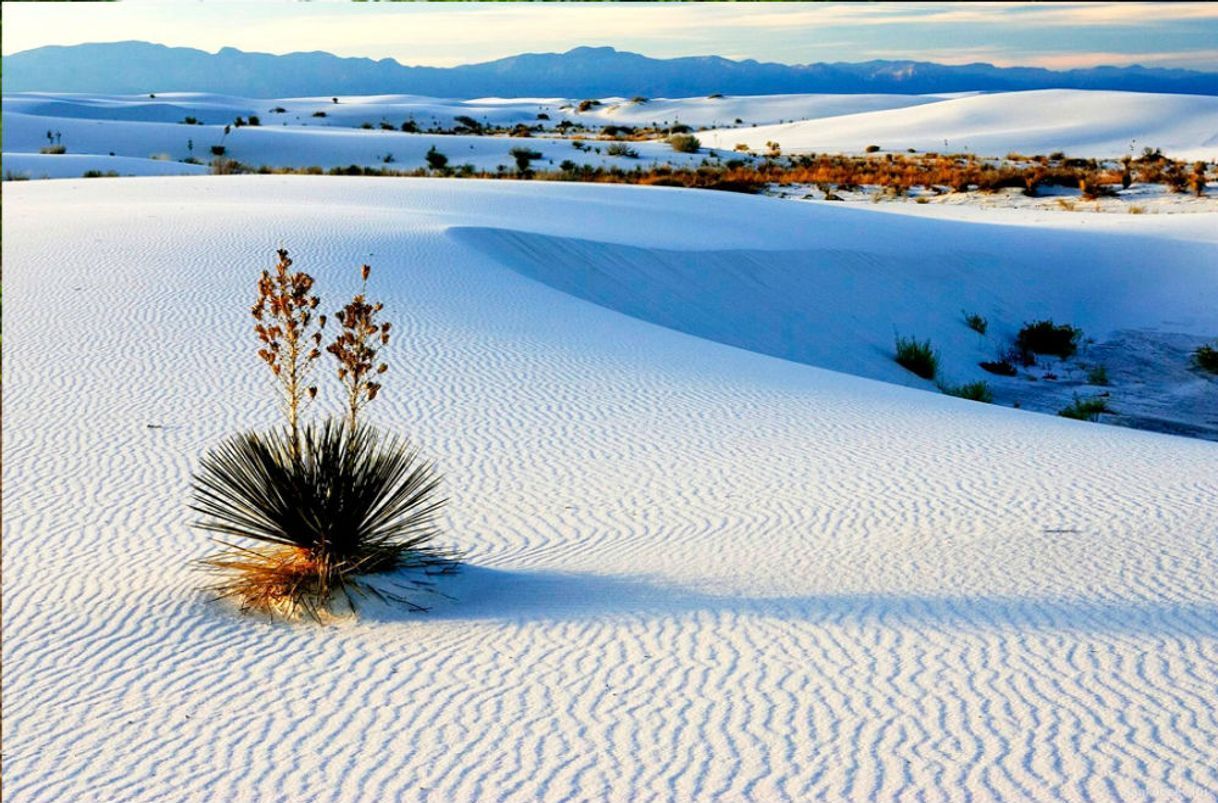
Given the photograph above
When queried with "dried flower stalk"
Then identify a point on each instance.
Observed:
(355, 348)
(290, 340)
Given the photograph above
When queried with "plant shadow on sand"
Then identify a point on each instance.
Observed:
(487, 594)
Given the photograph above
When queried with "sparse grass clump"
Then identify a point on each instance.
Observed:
(976, 322)
(974, 391)
(1046, 337)
(622, 149)
(1206, 358)
(684, 143)
(1087, 409)
(917, 356)
(55, 149)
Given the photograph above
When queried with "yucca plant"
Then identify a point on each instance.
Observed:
(347, 506)
(327, 506)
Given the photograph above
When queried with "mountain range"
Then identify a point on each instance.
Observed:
(143, 67)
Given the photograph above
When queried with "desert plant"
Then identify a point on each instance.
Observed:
(974, 391)
(524, 157)
(976, 322)
(254, 120)
(355, 348)
(1046, 337)
(585, 105)
(622, 149)
(684, 143)
(327, 511)
(917, 356)
(1087, 409)
(190, 120)
(319, 114)
(54, 149)
(1206, 358)
(1097, 375)
(435, 159)
(872, 148)
(218, 150)
(290, 335)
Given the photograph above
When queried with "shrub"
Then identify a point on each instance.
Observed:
(715, 96)
(1088, 409)
(1206, 358)
(366, 126)
(974, 391)
(190, 120)
(976, 322)
(218, 150)
(684, 143)
(917, 356)
(1000, 367)
(54, 149)
(1098, 375)
(254, 120)
(99, 174)
(345, 505)
(469, 123)
(872, 148)
(523, 157)
(638, 99)
(622, 149)
(585, 105)
(435, 159)
(278, 110)
(1046, 337)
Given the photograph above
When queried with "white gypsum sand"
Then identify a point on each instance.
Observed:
(696, 571)
(148, 131)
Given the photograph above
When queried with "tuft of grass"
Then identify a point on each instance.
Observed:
(1046, 337)
(1087, 409)
(325, 517)
(99, 174)
(974, 391)
(976, 322)
(1206, 358)
(55, 149)
(1098, 375)
(917, 356)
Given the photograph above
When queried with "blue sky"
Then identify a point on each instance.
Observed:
(1055, 35)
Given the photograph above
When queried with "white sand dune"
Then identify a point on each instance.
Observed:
(353, 111)
(305, 146)
(1078, 122)
(698, 572)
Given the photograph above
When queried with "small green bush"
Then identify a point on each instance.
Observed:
(917, 356)
(584, 105)
(872, 148)
(974, 391)
(1098, 375)
(1206, 358)
(217, 150)
(684, 143)
(1046, 337)
(1088, 409)
(435, 159)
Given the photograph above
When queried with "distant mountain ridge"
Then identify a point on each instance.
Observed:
(142, 67)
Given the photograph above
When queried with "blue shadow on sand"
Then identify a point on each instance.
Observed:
(479, 593)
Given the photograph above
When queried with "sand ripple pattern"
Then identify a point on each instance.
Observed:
(698, 572)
